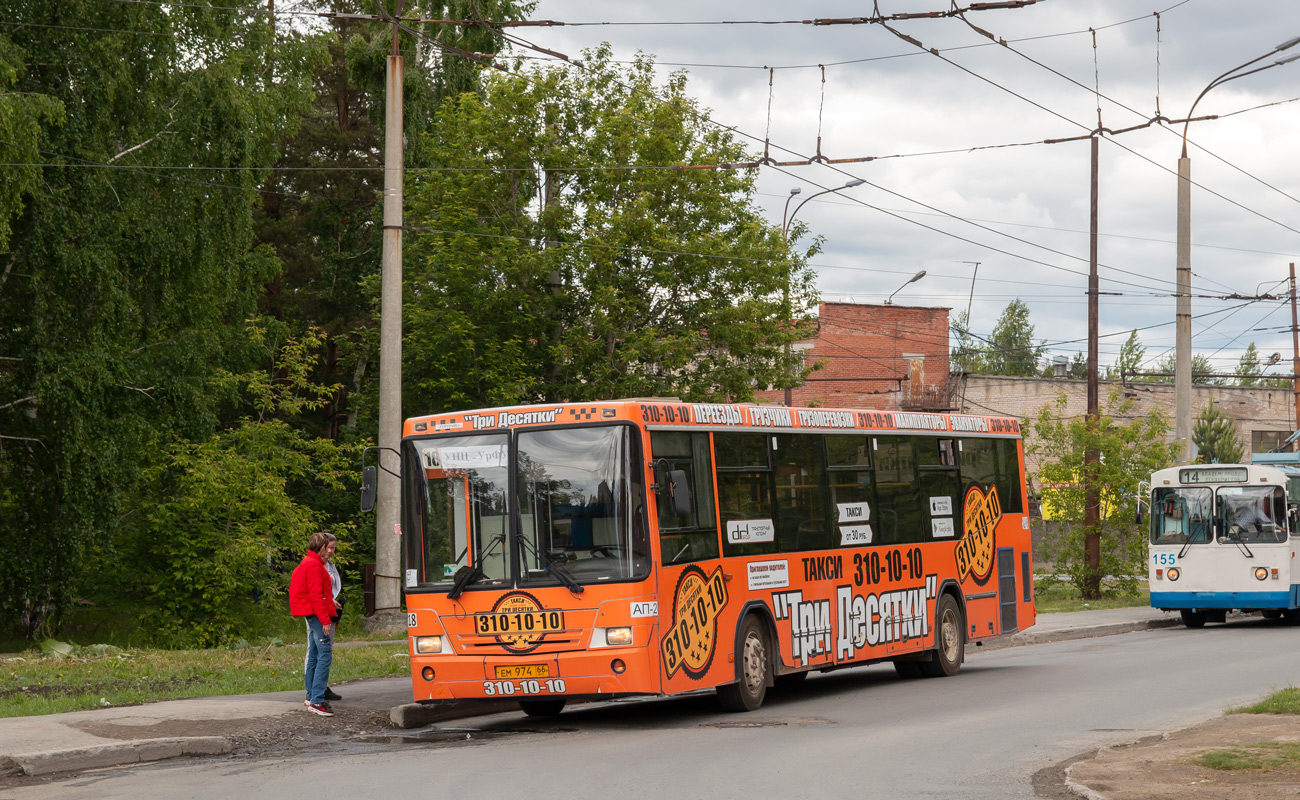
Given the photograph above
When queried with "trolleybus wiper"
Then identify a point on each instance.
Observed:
(475, 572)
(555, 569)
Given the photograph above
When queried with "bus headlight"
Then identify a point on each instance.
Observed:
(611, 637)
(427, 645)
(1261, 573)
(1174, 573)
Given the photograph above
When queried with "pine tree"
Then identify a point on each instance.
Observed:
(1216, 437)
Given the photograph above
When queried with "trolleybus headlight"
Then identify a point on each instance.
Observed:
(425, 645)
(1174, 573)
(427, 674)
(618, 636)
(1261, 573)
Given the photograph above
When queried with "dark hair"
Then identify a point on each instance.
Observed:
(318, 541)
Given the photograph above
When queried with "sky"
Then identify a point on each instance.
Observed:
(946, 191)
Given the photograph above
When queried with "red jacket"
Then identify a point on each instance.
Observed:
(310, 591)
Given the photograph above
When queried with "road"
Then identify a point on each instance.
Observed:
(854, 733)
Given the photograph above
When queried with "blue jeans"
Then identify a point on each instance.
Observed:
(320, 653)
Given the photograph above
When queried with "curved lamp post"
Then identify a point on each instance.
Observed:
(786, 221)
(1183, 311)
(889, 301)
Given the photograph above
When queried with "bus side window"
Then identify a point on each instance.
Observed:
(897, 491)
(692, 536)
(799, 466)
(848, 463)
(745, 494)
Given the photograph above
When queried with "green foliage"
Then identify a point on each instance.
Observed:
(21, 119)
(222, 523)
(1203, 371)
(1264, 756)
(1128, 453)
(1009, 350)
(1129, 360)
(1217, 439)
(533, 277)
(129, 262)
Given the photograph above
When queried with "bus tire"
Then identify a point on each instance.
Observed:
(949, 640)
(908, 670)
(542, 708)
(755, 669)
(1192, 619)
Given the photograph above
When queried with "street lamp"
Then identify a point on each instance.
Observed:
(786, 221)
(918, 276)
(1183, 311)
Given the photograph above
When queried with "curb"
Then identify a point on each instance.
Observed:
(111, 755)
(1089, 632)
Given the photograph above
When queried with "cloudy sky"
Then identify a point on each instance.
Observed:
(1022, 212)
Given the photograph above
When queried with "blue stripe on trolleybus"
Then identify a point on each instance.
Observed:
(1282, 599)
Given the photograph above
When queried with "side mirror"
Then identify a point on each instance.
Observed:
(679, 493)
(369, 479)
(1139, 512)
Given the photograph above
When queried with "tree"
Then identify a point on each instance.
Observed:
(1128, 453)
(1129, 360)
(1011, 349)
(1217, 439)
(558, 254)
(1249, 364)
(132, 260)
(967, 351)
(1203, 371)
(221, 517)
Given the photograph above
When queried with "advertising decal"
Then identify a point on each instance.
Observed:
(980, 511)
(692, 639)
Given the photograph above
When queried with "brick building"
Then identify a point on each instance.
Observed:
(875, 356)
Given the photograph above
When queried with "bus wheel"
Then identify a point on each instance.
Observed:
(1271, 613)
(1193, 619)
(542, 708)
(950, 643)
(907, 670)
(747, 693)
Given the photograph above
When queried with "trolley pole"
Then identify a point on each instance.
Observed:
(388, 498)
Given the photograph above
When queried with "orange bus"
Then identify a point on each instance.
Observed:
(651, 547)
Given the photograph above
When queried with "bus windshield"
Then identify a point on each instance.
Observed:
(580, 508)
(1253, 513)
(1180, 515)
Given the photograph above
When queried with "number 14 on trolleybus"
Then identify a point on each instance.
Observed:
(652, 547)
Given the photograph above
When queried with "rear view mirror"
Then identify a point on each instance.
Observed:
(679, 493)
(369, 478)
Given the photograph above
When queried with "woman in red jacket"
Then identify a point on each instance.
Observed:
(311, 597)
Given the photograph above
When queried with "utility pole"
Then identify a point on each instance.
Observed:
(388, 587)
(1295, 349)
(1092, 491)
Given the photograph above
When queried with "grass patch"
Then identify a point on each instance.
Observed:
(1263, 757)
(1056, 597)
(1286, 701)
(39, 683)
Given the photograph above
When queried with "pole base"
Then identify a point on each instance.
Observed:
(389, 621)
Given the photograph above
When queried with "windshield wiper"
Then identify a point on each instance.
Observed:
(472, 574)
(553, 567)
(1239, 542)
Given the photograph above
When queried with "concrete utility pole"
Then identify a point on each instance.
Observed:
(1295, 349)
(1092, 489)
(1183, 327)
(388, 551)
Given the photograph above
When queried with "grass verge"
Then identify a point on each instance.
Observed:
(1055, 597)
(35, 683)
(1265, 756)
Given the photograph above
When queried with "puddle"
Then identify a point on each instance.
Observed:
(772, 724)
(454, 735)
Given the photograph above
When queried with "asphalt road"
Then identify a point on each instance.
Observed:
(855, 733)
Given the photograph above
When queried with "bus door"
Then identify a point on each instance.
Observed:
(695, 607)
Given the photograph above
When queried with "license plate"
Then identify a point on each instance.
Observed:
(522, 622)
(524, 671)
